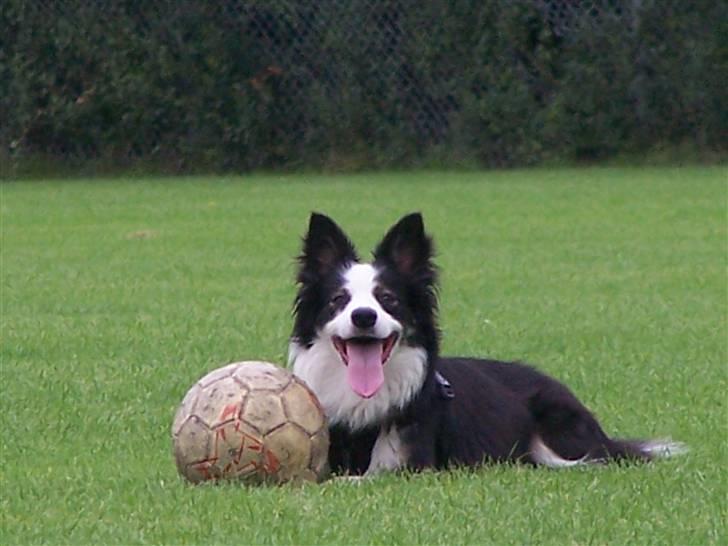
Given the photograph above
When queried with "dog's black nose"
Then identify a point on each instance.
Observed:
(364, 317)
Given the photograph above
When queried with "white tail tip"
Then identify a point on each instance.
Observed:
(663, 448)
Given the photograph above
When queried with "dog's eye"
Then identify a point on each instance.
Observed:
(339, 300)
(388, 299)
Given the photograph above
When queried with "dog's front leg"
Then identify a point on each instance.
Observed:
(389, 452)
(419, 439)
(399, 447)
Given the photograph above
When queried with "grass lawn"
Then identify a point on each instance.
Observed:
(118, 294)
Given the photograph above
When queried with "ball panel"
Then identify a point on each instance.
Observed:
(220, 401)
(191, 444)
(291, 447)
(239, 451)
(319, 463)
(185, 409)
(262, 376)
(307, 475)
(263, 411)
(302, 407)
(201, 471)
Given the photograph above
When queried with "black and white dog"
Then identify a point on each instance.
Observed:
(366, 341)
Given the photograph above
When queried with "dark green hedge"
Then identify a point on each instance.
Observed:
(267, 84)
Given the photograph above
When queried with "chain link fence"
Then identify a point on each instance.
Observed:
(187, 85)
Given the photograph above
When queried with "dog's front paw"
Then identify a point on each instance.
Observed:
(350, 479)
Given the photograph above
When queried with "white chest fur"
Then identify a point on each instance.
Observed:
(322, 370)
(389, 452)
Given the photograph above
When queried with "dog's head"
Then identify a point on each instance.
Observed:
(367, 313)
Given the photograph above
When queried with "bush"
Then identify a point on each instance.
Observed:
(268, 84)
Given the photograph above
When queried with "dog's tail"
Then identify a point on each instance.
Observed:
(660, 449)
(617, 450)
(567, 434)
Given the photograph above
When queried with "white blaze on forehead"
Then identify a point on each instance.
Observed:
(360, 281)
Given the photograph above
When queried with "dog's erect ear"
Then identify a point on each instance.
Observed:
(406, 246)
(325, 247)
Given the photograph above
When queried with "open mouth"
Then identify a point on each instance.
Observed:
(365, 358)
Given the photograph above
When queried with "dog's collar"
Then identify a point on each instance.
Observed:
(444, 386)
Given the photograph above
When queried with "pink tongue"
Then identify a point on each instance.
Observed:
(365, 368)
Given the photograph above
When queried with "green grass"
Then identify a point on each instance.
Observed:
(118, 294)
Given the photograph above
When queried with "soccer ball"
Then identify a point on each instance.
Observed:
(251, 421)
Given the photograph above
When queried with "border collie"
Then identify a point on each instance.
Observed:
(365, 339)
